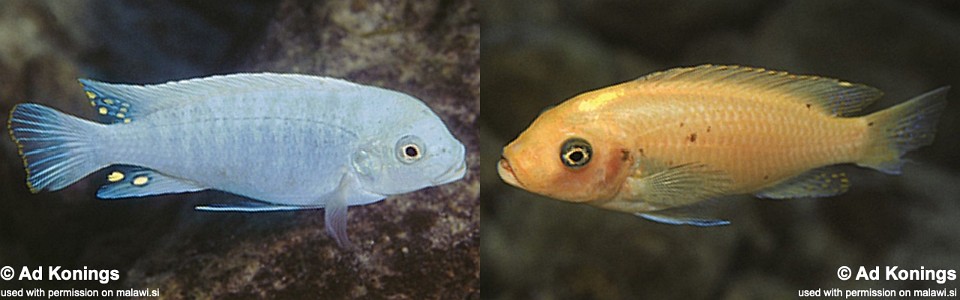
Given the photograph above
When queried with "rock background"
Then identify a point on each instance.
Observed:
(420, 245)
(539, 53)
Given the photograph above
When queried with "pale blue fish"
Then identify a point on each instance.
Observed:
(288, 141)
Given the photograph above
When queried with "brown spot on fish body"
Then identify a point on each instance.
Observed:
(708, 129)
(870, 124)
(624, 154)
(765, 177)
(681, 124)
(641, 152)
(693, 137)
(808, 105)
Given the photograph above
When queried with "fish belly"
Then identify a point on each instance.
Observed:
(256, 146)
(757, 143)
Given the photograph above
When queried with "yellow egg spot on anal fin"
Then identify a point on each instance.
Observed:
(115, 176)
(91, 95)
(127, 120)
(102, 110)
(120, 115)
(108, 101)
(140, 180)
(123, 109)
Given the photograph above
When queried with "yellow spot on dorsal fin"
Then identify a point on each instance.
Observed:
(108, 101)
(91, 95)
(123, 109)
(597, 101)
(115, 176)
(102, 110)
(140, 180)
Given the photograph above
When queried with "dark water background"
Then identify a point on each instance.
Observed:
(419, 245)
(539, 53)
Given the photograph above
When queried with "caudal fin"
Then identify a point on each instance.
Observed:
(900, 129)
(57, 149)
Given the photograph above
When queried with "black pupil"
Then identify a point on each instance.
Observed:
(577, 155)
(411, 151)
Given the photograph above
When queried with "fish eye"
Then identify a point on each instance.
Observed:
(409, 149)
(575, 153)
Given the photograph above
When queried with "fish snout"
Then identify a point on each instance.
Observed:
(506, 173)
(452, 174)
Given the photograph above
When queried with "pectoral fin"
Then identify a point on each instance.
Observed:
(335, 218)
(822, 182)
(335, 212)
(678, 185)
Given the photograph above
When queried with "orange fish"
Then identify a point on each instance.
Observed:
(671, 139)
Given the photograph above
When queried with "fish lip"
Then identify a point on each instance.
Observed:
(452, 174)
(507, 174)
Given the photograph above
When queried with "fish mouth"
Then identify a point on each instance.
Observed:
(506, 173)
(452, 174)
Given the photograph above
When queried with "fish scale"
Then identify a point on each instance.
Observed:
(665, 142)
(768, 140)
(164, 152)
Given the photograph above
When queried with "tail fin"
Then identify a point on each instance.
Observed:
(57, 149)
(897, 130)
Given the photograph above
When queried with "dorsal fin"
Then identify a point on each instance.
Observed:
(833, 97)
(127, 102)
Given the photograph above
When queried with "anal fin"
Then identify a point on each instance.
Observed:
(821, 182)
(131, 181)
